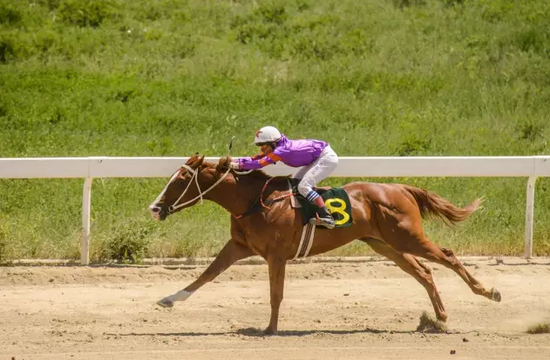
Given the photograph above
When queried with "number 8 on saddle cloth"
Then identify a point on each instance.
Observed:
(337, 202)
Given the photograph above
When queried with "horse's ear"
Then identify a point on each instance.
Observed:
(223, 164)
(196, 161)
(192, 160)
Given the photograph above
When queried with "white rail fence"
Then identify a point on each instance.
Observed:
(89, 168)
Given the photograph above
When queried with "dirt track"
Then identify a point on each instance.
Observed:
(331, 311)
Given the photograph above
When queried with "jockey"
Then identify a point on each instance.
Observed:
(316, 158)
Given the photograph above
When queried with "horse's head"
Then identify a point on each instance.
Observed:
(188, 185)
(183, 190)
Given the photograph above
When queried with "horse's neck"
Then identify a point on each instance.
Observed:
(267, 184)
(236, 194)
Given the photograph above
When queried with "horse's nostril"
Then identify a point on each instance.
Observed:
(154, 209)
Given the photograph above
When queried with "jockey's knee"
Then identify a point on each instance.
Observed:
(304, 189)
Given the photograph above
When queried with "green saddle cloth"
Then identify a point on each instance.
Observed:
(337, 202)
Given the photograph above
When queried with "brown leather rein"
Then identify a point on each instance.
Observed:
(269, 202)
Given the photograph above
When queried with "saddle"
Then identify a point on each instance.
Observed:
(336, 200)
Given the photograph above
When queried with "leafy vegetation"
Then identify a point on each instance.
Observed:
(171, 78)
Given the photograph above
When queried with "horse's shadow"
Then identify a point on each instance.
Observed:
(255, 332)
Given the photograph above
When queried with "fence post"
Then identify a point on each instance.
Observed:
(529, 216)
(86, 206)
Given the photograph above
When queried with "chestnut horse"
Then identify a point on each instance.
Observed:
(387, 217)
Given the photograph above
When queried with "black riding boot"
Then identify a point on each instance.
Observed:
(325, 218)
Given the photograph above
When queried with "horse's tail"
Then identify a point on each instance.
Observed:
(432, 204)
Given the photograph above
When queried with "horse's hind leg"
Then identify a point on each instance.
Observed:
(413, 267)
(447, 258)
(419, 245)
(231, 252)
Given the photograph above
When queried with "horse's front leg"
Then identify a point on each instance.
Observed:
(231, 252)
(276, 285)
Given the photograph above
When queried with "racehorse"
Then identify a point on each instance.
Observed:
(387, 217)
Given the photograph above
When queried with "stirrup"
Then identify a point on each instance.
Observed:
(318, 221)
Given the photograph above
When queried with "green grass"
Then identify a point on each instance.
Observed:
(171, 78)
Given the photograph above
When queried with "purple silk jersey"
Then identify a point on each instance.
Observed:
(295, 153)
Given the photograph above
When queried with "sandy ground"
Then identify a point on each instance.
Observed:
(331, 311)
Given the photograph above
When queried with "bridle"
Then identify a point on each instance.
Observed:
(195, 177)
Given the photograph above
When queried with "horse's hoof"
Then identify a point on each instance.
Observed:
(165, 303)
(270, 331)
(495, 296)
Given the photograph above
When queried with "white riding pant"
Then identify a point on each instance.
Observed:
(316, 171)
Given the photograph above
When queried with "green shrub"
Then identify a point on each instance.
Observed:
(45, 41)
(3, 109)
(316, 46)
(125, 95)
(9, 15)
(532, 39)
(412, 146)
(50, 4)
(273, 13)
(84, 13)
(265, 27)
(529, 130)
(3, 246)
(407, 3)
(7, 50)
(130, 241)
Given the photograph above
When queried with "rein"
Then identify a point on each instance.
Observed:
(274, 199)
(195, 177)
(269, 202)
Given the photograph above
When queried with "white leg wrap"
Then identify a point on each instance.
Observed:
(181, 295)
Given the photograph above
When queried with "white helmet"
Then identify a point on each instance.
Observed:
(267, 134)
